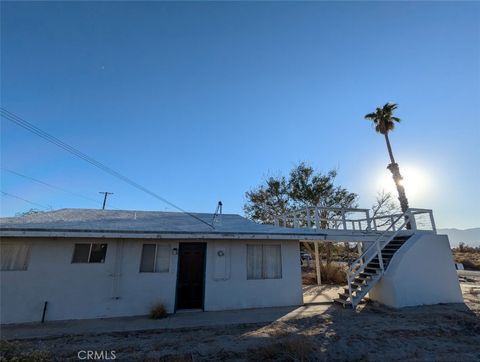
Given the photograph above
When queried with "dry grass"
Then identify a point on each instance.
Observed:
(333, 273)
(470, 261)
(11, 352)
(296, 348)
(158, 311)
(468, 256)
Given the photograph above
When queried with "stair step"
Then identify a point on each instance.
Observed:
(389, 250)
(344, 303)
(360, 280)
(396, 246)
(354, 289)
(369, 274)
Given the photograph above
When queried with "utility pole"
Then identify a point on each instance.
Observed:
(106, 193)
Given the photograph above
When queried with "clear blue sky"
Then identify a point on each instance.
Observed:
(201, 101)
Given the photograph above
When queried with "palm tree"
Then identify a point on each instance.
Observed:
(384, 122)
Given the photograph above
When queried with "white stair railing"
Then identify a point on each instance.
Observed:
(348, 219)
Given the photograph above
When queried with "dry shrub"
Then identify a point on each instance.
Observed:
(470, 261)
(297, 348)
(467, 255)
(158, 311)
(333, 274)
(308, 276)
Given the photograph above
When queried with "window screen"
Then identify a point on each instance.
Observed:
(14, 256)
(155, 258)
(89, 253)
(264, 262)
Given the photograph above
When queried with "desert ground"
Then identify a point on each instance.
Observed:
(371, 333)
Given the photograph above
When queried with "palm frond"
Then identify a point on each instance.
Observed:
(383, 118)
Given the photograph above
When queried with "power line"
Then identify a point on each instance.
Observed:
(49, 185)
(30, 127)
(21, 198)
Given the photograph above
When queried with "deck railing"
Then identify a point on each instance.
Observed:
(351, 219)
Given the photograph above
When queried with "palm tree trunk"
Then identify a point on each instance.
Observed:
(397, 177)
(389, 147)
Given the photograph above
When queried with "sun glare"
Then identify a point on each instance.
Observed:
(415, 181)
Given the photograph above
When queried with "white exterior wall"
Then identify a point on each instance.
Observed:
(227, 286)
(421, 272)
(77, 291)
(81, 291)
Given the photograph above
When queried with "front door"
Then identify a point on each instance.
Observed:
(191, 274)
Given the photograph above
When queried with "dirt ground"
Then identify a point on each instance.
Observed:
(372, 333)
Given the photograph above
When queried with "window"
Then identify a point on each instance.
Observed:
(264, 262)
(14, 256)
(155, 258)
(89, 253)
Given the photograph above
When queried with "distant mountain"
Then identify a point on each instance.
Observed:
(470, 237)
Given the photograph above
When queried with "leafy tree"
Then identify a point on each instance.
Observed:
(304, 187)
(384, 122)
(268, 200)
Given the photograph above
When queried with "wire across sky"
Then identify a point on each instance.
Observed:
(52, 139)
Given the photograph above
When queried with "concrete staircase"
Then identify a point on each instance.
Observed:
(362, 278)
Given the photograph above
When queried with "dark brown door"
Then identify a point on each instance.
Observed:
(191, 274)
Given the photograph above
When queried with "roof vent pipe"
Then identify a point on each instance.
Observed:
(217, 216)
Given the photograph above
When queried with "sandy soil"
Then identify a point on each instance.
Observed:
(372, 333)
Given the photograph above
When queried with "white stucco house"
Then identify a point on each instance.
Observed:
(83, 263)
(102, 263)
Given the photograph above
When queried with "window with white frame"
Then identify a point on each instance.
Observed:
(155, 258)
(14, 256)
(89, 253)
(264, 262)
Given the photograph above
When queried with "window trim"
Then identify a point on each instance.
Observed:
(154, 270)
(89, 254)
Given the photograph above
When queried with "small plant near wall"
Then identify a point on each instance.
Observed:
(158, 311)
